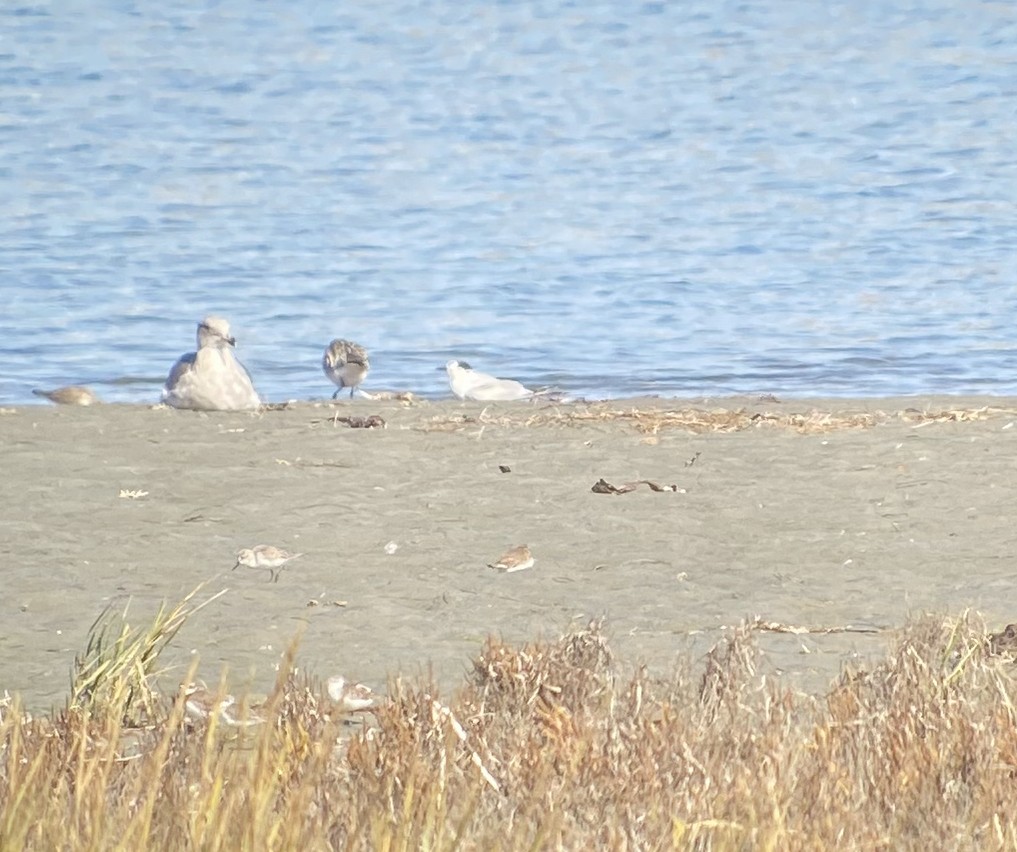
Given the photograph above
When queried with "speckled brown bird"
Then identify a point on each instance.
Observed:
(346, 364)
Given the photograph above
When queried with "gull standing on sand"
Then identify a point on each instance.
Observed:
(346, 364)
(211, 379)
(467, 383)
(265, 556)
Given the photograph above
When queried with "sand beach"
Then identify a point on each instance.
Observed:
(842, 517)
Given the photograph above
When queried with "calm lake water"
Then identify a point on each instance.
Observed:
(619, 198)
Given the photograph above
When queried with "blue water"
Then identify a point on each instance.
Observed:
(696, 197)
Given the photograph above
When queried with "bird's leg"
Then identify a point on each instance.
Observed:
(336, 394)
(351, 391)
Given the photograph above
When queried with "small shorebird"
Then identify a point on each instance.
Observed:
(346, 364)
(71, 395)
(351, 697)
(467, 383)
(201, 704)
(265, 556)
(517, 559)
(1004, 642)
(211, 378)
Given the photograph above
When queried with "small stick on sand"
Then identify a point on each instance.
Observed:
(779, 627)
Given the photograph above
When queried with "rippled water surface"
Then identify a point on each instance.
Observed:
(617, 198)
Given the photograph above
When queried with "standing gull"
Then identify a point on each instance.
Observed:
(346, 364)
(467, 383)
(211, 379)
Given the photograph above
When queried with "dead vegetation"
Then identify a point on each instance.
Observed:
(546, 746)
(650, 421)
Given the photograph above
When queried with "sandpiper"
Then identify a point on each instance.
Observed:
(211, 378)
(70, 395)
(346, 364)
(517, 559)
(265, 556)
(351, 697)
(201, 704)
(467, 383)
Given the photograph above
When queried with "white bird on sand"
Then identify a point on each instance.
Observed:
(211, 379)
(467, 383)
(350, 697)
(346, 364)
(265, 556)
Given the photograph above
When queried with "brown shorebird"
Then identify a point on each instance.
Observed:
(346, 364)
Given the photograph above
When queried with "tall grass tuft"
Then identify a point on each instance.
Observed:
(118, 665)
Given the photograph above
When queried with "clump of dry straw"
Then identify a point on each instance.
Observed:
(551, 745)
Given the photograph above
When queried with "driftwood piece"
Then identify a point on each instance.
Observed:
(602, 486)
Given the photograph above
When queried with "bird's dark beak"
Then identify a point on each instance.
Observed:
(232, 341)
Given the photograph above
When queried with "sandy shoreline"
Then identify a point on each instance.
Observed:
(859, 525)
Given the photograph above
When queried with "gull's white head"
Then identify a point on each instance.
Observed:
(214, 331)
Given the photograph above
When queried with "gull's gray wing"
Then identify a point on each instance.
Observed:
(174, 392)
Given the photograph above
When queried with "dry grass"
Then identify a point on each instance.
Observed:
(547, 746)
(650, 421)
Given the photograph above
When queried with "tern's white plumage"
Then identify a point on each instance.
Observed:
(211, 378)
(346, 364)
(467, 383)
